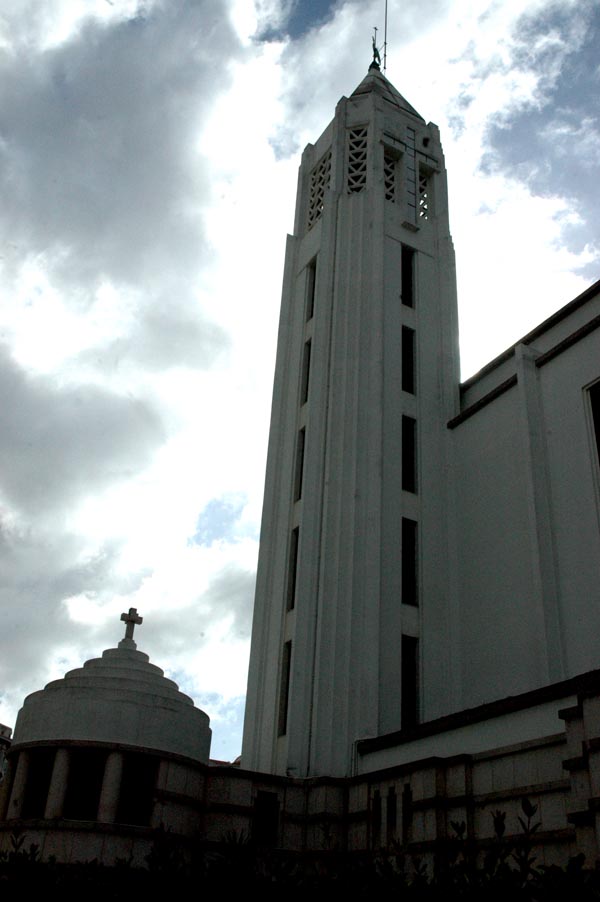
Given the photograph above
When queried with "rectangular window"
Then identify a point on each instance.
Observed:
(265, 819)
(409, 454)
(35, 796)
(410, 682)
(409, 562)
(305, 374)
(376, 819)
(299, 469)
(311, 281)
(407, 813)
(391, 814)
(408, 360)
(284, 690)
(292, 569)
(136, 797)
(595, 402)
(407, 269)
(86, 772)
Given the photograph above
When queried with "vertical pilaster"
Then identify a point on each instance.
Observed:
(410, 177)
(55, 802)
(157, 818)
(543, 552)
(111, 787)
(15, 805)
(6, 786)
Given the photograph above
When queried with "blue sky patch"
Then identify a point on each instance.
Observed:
(553, 148)
(304, 15)
(218, 519)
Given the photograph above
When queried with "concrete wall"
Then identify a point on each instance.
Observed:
(557, 770)
(174, 802)
(527, 512)
(572, 464)
(501, 629)
(393, 804)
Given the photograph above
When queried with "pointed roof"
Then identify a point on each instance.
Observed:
(374, 80)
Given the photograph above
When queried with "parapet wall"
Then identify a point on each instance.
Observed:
(418, 807)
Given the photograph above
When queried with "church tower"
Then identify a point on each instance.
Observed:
(354, 633)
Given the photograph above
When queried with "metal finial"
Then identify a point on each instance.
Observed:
(376, 56)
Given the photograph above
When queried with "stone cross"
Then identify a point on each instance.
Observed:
(131, 619)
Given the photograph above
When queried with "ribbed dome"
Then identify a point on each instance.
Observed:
(118, 698)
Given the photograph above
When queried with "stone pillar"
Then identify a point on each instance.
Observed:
(58, 785)
(15, 806)
(5, 786)
(161, 784)
(111, 788)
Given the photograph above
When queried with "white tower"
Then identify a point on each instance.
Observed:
(353, 632)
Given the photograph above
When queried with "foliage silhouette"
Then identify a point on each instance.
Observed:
(459, 869)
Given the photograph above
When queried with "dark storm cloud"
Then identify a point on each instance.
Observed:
(58, 444)
(97, 164)
(101, 181)
(37, 573)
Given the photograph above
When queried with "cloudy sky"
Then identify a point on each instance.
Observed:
(148, 162)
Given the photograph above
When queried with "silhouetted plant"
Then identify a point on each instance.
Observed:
(236, 837)
(523, 851)
(507, 872)
(166, 856)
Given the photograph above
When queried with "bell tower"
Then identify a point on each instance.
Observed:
(354, 633)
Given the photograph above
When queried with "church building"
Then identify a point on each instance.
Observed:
(426, 634)
(428, 579)
(427, 547)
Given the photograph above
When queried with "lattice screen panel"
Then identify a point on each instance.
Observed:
(319, 183)
(389, 175)
(423, 196)
(357, 160)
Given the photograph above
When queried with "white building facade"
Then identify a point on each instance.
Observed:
(426, 547)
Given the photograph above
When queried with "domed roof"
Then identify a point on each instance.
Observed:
(119, 698)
